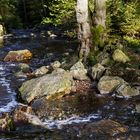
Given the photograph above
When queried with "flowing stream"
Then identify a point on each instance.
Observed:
(7, 94)
(55, 49)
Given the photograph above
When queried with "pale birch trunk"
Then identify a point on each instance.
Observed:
(100, 12)
(84, 28)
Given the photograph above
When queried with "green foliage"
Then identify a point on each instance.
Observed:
(132, 42)
(60, 11)
(8, 14)
(98, 33)
(123, 17)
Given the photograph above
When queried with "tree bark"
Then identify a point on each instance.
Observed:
(100, 21)
(100, 12)
(84, 28)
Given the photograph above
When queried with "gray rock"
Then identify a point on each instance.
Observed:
(53, 85)
(78, 71)
(24, 67)
(20, 74)
(58, 70)
(55, 65)
(97, 71)
(41, 71)
(108, 84)
(127, 91)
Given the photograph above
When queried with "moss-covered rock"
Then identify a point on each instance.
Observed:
(97, 71)
(120, 56)
(51, 85)
(78, 71)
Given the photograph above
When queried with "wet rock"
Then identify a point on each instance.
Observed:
(78, 71)
(24, 67)
(20, 55)
(104, 129)
(108, 84)
(1, 40)
(41, 71)
(21, 120)
(51, 85)
(55, 65)
(20, 74)
(127, 91)
(73, 104)
(24, 115)
(6, 122)
(97, 71)
(120, 56)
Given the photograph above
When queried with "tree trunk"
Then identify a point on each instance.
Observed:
(100, 12)
(84, 29)
(99, 23)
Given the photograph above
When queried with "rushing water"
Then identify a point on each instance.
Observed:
(7, 94)
(44, 52)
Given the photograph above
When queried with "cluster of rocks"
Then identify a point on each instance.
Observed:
(52, 82)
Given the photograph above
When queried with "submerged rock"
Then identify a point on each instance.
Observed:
(20, 55)
(108, 84)
(97, 71)
(50, 85)
(78, 71)
(120, 56)
(104, 129)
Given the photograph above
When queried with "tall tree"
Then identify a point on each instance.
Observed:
(84, 28)
(87, 37)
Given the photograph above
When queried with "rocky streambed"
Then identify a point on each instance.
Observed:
(53, 96)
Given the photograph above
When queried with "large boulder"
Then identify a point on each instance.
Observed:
(51, 85)
(78, 71)
(97, 71)
(120, 56)
(108, 84)
(20, 55)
